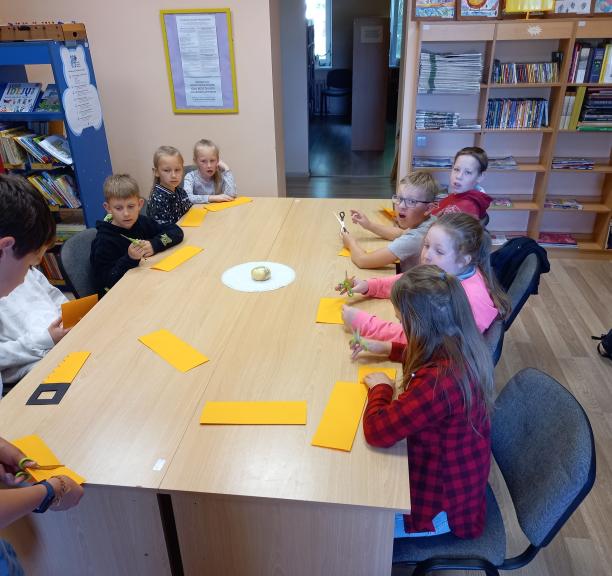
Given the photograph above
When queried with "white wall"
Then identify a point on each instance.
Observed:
(128, 56)
(294, 76)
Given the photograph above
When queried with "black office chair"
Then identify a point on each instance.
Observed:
(543, 444)
(494, 339)
(524, 284)
(339, 84)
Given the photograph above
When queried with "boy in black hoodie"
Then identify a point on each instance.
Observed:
(124, 236)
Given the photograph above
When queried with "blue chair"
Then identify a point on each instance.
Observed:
(543, 444)
(75, 265)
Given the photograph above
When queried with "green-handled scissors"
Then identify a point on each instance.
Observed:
(23, 468)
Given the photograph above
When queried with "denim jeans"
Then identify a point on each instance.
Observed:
(440, 522)
(9, 564)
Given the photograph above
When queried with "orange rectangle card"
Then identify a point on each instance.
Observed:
(173, 350)
(74, 310)
(330, 311)
(365, 370)
(194, 217)
(177, 258)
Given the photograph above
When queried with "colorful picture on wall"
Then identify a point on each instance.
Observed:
(572, 6)
(434, 9)
(603, 7)
(479, 8)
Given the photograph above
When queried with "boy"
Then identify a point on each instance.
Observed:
(412, 203)
(26, 230)
(125, 236)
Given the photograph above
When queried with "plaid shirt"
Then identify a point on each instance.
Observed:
(449, 456)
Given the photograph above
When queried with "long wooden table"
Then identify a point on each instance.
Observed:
(242, 499)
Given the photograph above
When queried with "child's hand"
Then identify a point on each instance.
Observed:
(222, 166)
(67, 490)
(348, 315)
(347, 239)
(10, 456)
(147, 248)
(360, 218)
(57, 330)
(376, 378)
(220, 198)
(370, 346)
(356, 286)
(136, 251)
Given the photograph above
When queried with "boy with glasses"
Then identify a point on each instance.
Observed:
(413, 202)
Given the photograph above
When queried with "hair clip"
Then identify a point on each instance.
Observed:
(443, 275)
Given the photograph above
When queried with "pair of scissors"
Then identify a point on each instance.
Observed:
(23, 468)
(340, 217)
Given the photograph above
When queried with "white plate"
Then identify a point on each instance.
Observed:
(239, 277)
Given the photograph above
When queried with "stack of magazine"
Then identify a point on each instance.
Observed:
(450, 73)
(572, 163)
(429, 120)
(432, 162)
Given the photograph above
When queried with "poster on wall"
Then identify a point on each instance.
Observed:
(200, 60)
(603, 7)
(479, 9)
(572, 6)
(434, 9)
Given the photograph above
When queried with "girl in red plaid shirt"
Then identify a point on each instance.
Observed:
(442, 409)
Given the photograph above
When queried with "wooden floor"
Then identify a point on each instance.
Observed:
(330, 154)
(340, 187)
(553, 333)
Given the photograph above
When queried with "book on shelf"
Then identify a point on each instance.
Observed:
(502, 163)
(50, 267)
(515, 113)
(65, 231)
(559, 163)
(57, 189)
(524, 73)
(577, 107)
(502, 203)
(583, 58)
(564, 203)
(58, 147)
(498, 239)
(432, 162)
(19, 96)
(557, 240)
(591, 64)
(49, 101)
(31, 144)
(597, 109)
(568, 105)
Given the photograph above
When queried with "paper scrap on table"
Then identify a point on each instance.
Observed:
(254, 413)
(344, 252)
(365, 370)
(194, 217)
(35, 448)
(74, 310)
(67, 369)
(330, 310)
(177, 258)
(388, 213)
(173, 350)
(216, 206)
(341, 416)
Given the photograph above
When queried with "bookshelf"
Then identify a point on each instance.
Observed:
(533, 181)
(87, 138)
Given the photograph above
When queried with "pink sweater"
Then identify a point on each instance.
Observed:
(370, 326)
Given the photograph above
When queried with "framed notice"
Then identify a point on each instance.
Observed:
(478, 9)
(433, 9)
(200, 60)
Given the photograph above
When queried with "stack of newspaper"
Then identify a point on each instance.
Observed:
(450, 73)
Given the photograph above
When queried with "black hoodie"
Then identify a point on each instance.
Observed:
(109, 250)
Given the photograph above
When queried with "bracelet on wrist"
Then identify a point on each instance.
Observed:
(48, 499)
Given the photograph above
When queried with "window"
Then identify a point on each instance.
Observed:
(319, 11)
(397, 23)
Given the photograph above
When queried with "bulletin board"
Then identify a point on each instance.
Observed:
(200, 60)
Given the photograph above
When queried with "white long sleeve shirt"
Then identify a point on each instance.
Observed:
(25, 316)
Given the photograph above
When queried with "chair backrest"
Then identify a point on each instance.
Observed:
(75, 265)
(340, 78)
(543, 443)
(494, 339)
(524, 284)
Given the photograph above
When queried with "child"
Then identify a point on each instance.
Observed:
(168, 202)
(125, 236)
(213, 181)
(442, 408)
(459, 245)
(464, 191)
(27, 229)
(413, 201)
(30, 325)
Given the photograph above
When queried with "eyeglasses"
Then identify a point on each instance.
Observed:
(407, 202)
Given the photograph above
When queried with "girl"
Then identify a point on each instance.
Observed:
(458, 244)
(464, 191)
(213, 180)
(442, 408)
(168, 202)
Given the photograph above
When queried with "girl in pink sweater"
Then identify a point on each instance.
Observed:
(459, 245)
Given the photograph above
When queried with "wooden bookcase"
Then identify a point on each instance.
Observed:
(91, 158)
(534, 179)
